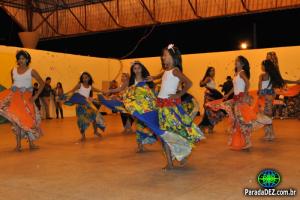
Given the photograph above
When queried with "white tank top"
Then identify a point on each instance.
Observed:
(169, 85)
(211, 84)
(265, 84)
(135, 82)
(22, 80)
(84, 91)
(238, 84)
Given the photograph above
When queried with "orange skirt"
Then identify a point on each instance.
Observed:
(245, 116)
(16, 106)
(290, 91)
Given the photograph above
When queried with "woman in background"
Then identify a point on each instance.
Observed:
(58, 96)
(211, 94)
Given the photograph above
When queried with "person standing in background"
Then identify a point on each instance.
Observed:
(37, 101)
(227, 86)
(113, 85)
(45, 96)
(126, 118)
(58, 94)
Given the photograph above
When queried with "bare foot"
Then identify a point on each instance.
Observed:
(247, 147)
(33, 147)
(18, 149)
(97, 134)
(140, 150)
(183, 162)
(271, 138)
(266, 138)
(82, 139)
(210, 130)
(128, 130)
(168, 167)
(229, 142)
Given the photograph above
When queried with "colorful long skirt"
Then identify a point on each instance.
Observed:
(173, 118)
(190, 105)
(86, 115)
(265, 105)
(86, 112)
(144, 135)
(16, 106)
(172, 125)
(244, 118)
(292, 101)
(2, 119)
(210, 117)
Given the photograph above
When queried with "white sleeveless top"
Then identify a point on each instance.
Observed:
(265, 84)
(22, 80)
(169, 85)
(211, 84)
(84, 91)
(238, 84)
(135, 82)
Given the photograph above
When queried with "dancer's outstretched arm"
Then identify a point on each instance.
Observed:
(96, 90)
(74, 89)
(119, 89)
(292, 82)
(152, 78)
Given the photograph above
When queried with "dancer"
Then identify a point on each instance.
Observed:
(272, 56)
(86, 112)
(268, 81)
(278, 108)
(173, 126)
(211, 93)
(58, 96)
(188, 101)
(171, 115)
(138, 74)
(126, 118)
(17, 103)
(241, 109)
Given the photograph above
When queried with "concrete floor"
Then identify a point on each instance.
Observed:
(109, 168)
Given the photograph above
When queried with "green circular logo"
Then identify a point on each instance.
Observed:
(268, 178)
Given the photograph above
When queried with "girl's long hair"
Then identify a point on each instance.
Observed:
(145, 74)
(207, 73)
(245, 65)
(275, 77)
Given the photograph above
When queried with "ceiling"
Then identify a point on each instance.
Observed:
(64, 18)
